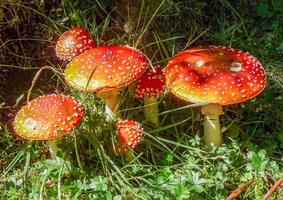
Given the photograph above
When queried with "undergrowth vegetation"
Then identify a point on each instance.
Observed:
(171, 161)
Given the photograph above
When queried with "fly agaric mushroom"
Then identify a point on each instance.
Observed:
(73, 42)
(150, 87)
(218, 75)
(129, 133)
(49, 118)
(104, 70)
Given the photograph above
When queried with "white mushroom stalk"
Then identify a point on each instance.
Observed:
(212, 130)
(112, 102)
(54, 148)
(151, 110)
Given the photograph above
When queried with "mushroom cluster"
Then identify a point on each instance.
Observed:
(214, 76)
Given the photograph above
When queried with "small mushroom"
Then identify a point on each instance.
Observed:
(73, 42)
(150, 87)
(104, 70)
(218, 76)
(129, 133)
(49, 118)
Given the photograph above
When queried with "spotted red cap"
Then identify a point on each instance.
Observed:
(216, 75)
(105, 68)
(74, 42)
(48, 117)
(151, 84)
(129, 132)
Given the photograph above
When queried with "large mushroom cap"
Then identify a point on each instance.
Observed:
(105, 68)
(151, 84)
(215, 74)
(48, 117)
(73, 42)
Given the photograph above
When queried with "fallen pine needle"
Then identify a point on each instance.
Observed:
(235, 193)
(273, 188)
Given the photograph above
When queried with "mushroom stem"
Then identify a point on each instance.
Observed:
(212, 133)
(111, 105)
(129, 154)
(112, 102)
(151, 111)
(53, 147)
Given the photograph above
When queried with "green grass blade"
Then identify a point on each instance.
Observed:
(184, 107)
(15, 160)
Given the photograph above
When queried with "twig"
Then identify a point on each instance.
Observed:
(273, 188)
(235, 193)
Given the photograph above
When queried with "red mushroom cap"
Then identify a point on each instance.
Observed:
(105, 68)
(121, 147)
(74, 42)
(129, 132)
(48, 117)
(151, 84)
(216, 75)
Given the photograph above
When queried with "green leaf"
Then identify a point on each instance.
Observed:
(181, 191)
(280, 137)
(263, 11)
(169, 158)
(197, 188)
(234, 130)
(262, 154)
(258, 161)
(277, 5)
